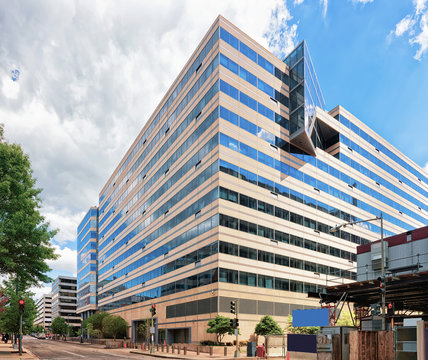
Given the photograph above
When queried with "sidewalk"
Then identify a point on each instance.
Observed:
(8, 352)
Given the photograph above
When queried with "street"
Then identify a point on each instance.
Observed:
(49, 349)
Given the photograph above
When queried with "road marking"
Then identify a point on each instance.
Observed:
(69, 352)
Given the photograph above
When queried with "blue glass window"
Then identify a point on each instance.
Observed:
(229, 90)
(229, 142)
(265, 88)
(266, 159)
(265, 64)
(247, 76)
(248, 126)
(229, 38)
(229, 116)
(248, 52)
(250, 102)
(248, 176)
(265, 111)
(248, 151)
(229, 64)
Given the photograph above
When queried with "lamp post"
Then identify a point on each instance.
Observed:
(382, 268)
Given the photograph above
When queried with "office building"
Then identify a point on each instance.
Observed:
(230, 189)
(87, 237)
(44, 311)
(64, 295)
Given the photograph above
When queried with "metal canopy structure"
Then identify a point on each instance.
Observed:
(408, 290)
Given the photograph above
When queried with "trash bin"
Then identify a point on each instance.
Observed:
(260, 351)
(251, 348)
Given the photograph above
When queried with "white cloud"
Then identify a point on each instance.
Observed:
(422, 38)
(298, 2)
(281, 36)
(324, 5)
(420, 5)
(66, 262)
(416, 25)
(39, 291)
(91, 74)
(404, 25)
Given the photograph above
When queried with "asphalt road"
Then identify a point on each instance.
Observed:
(49, 349)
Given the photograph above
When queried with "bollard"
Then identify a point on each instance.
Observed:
(225, 351)
(157, 347)
(167, 348)
(172, 349)
(211, 351)
(162, 347)
(178, 349)
(185, 351)
(197, 349)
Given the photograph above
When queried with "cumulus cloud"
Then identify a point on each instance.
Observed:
(90, 75)
(404, 25)
(66, 261)
(416, 25)
(281, 36)
(298, 2)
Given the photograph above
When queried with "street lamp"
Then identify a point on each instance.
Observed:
(382, 269)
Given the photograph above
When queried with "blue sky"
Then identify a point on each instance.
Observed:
(362, 65)
(92, 72)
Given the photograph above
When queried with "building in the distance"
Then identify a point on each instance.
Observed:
(231, 188)
(44, 311)
(87, 240)
(64, 300)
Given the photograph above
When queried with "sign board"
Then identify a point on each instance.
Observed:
(236, 332)
(152, 330)
(411, 321)
(302, 343)
(311, 317)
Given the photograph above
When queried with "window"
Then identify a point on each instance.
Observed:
(229, 276)
(247, 201)
(265, 256)
(227, 248)
(282, 260)
(247, 253)
(265, 281)
(282, 284)
(246, 278)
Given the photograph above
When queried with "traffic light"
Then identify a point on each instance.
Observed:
(233, 307)
(382, 284)
(390, 309)
(21, 304)
(153, 310)
(232, 323)
(236, 323)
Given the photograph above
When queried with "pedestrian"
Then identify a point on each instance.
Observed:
(6, 338)
(2, 337)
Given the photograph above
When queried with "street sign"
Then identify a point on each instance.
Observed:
(236, 332)
(152, 330)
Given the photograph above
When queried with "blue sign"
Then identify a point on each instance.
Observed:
(311, 317)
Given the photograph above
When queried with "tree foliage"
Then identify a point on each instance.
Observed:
(59, 326)
(94, 323)
(114, 326)
(24, 234)
(267, 326)
(143, 329)
(220, 326)
(9, 317)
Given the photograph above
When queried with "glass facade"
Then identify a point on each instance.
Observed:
(87, 246)
(221, 172)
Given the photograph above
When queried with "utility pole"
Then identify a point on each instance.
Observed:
(382, 249)
(152, 329)
(237, 329)
(21, 311)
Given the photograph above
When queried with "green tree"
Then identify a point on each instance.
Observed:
(299, 330)
(9, 317)
(114, 325)
(345, 319)
(143, 329)
(267, 326)
(96, 321)
(24, 234)
(59, 326)
(220, 326)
